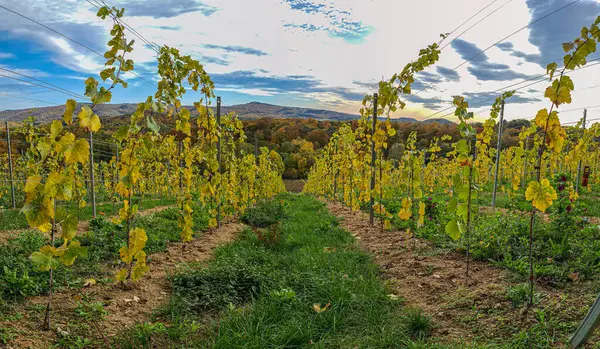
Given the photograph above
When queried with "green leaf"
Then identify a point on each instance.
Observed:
(121, 133)
(462, 146)
(73, 251)
(462, 210)
(152, 125)
(107, 73)
(452, 230)
(44, 259)
(451, 207)
(69, 227)
(567, 46)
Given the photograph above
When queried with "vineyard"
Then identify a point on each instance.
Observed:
(186, 237)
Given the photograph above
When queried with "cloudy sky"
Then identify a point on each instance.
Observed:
(311, 53)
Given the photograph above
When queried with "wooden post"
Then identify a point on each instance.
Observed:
(10, 168)
(373, 159)
(219, 162)
(256, 148)
(579, 164)
(92, 184)
(498, 151)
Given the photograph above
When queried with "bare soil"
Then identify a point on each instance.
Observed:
(294, 185)
(463, 309)
(125, 306)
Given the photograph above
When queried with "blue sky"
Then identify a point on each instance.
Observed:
(310, 53)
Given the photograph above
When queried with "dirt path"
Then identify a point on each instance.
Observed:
(125, 307)
(434, 281)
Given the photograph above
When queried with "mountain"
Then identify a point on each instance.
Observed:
(248, 111)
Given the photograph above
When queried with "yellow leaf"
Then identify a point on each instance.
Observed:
(541, 194)
(317, 307)
(95, 123)
(69, 109)
(122, 275)
(55, 129)
(32, 183)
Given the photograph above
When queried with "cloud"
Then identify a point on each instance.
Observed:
(237, 49)
(449, 74)
(166, 8)
(341, 25)
(215, 60)
(429, 103)
(482, 99)
(249, 80)
(480, 65)
(528, 57)
(368, 85)
(29, 72)
(564, 26)
(306, 27)
(6, 55)
(305, 6)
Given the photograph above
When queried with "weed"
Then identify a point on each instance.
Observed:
(418, 324)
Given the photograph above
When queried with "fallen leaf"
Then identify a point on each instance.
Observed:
(317, 307)
(89, 282)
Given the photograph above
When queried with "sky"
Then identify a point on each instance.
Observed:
(324, 54)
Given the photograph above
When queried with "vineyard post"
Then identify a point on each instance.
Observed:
(256, 148)
(179, 146)
(219, 161)
(116, 176)
(525, 163)
(498, 151)
(93, 185)
(579, 164)
(335, 174)
(10, 168)
(373, 158)
(469, 202)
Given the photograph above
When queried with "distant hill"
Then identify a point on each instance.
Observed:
(248, 111)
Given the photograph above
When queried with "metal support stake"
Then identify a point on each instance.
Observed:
(579, 164)
(498, 152)
(373, 159)
(10, 168)
(93, 192)
(219, 162)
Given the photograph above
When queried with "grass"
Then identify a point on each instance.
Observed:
(13, 219)
(19, 279)
(315, 288)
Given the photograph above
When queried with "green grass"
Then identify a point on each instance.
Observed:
(13, 219)
(19, 278)
(265, 295)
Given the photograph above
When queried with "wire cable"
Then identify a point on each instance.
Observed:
(68, 38)
(496, 43)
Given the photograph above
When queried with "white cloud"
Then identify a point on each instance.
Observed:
(6, 55)
(400, 29)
